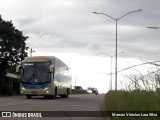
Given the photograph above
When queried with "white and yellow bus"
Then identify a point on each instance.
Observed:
(44, 76)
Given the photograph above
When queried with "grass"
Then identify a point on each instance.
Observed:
(131, 101)
(141, 94)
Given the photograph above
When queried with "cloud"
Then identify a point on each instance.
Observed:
(70, 30)
(27, 21)
(71, 26)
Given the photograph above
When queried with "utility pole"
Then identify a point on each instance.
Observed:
(75, 80)
(31, 51)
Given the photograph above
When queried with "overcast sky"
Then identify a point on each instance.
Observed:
(69, 27)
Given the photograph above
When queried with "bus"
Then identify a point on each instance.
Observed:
(44, 76)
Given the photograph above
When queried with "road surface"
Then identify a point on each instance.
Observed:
(84, 102)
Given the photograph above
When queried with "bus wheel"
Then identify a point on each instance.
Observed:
(55, 94)
(67, 93)
(28, 96)
(45, 96)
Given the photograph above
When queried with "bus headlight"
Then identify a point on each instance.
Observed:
(23, 88)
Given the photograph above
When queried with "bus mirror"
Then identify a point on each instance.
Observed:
(51, 69)
(18, 68)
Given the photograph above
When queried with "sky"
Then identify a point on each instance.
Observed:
(69, 30)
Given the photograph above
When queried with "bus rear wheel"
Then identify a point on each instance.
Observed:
(65, 95)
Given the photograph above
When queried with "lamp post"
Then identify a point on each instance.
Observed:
(111, 65)
(116, 19)
(151, 27)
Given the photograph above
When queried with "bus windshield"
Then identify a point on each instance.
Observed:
(35, 72)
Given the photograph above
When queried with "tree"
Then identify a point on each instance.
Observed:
(12, 47)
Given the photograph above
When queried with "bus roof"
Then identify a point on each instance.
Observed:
(39, 58)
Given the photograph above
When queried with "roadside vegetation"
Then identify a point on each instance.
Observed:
(12, 51)
(141, 94)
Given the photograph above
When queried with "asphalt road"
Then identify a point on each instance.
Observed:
(84, 102)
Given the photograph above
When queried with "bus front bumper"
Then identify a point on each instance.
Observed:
(36, 92)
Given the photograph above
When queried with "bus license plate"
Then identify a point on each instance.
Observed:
(34, 92)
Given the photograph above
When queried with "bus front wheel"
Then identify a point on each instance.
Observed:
(28, 96)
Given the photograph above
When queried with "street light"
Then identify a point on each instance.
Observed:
(151, 27)
(111, 65)
(116, 19)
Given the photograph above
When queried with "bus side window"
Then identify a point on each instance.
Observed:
(51, 69)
